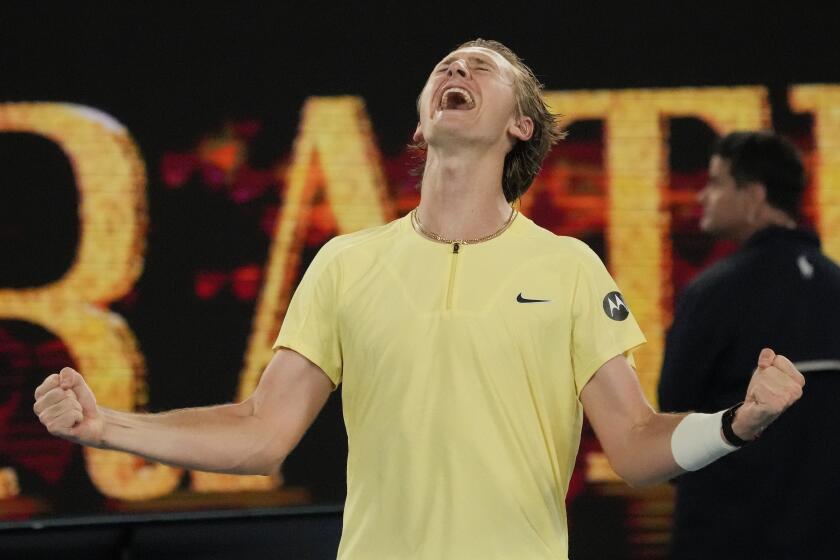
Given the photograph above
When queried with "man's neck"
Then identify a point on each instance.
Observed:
(767, 217)
(462, 196)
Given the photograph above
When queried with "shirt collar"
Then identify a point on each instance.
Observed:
(773, 234)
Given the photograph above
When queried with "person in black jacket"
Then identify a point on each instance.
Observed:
(778, 497)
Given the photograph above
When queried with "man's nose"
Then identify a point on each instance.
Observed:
(701, 194)
(459, 67)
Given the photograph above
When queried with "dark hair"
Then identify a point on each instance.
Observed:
(523, 161)
(766, 158)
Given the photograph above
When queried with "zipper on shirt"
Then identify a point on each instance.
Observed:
(453, 268)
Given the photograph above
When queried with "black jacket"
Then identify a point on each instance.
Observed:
(778, 497)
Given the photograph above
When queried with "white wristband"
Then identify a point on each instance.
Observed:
(696, 441)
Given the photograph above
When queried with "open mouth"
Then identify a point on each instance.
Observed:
(456, 99)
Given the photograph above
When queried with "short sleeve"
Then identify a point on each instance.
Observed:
(602, 324)
(310, 327)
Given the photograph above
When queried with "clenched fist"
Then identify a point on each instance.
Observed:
(66, 406)
(775, 385)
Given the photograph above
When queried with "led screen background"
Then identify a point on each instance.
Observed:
(220, 148)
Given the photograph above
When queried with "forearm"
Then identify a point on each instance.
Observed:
(636, 439)
(225, 438)
(644, 447)
(251, 437)
(644, 455)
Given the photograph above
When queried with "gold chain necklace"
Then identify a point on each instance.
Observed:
(415, 222)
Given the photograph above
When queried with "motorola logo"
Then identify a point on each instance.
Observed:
(614, 306)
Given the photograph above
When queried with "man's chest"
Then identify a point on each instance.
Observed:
(456, 297)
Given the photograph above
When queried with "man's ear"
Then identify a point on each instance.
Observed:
(758, 192)
(418, 135)
(522, 128)
(757, 196)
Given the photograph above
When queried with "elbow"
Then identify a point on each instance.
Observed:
(638, 481)
(254, 465)
(624, 470)
(265, 449)
(267, 469)
(638, 476)
(270, 467)
(631, 476)
(265, 459)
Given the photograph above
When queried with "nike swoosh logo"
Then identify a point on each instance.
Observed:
(521, 299)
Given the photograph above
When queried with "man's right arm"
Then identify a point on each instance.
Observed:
(250, 437)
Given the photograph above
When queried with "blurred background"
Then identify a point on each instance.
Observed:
(169, 171)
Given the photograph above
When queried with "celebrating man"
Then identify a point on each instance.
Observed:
(469, 341)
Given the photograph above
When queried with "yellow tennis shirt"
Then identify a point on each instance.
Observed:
(461, 374)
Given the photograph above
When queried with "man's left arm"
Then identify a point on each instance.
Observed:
(645, 447)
